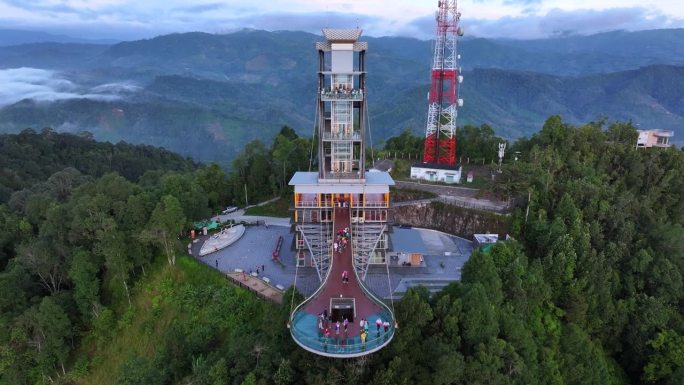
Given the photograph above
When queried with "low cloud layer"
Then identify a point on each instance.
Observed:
(46, 86)
(557, 22)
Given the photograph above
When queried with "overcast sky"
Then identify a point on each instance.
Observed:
(132, 19)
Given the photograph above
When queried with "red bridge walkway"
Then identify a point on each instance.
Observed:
(335, 297)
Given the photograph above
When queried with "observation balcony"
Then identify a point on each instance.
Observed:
(340, 135)
(355, 201)
(313, 204)
(328, 204)
(330, 95)
(351, 300)
(375, 204)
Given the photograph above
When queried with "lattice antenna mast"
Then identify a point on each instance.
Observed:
(443, 101)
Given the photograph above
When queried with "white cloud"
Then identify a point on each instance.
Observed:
(46, 86)
(115, 88)
(557, 22)
(130, 19)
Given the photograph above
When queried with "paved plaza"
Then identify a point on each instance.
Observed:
(442, 265)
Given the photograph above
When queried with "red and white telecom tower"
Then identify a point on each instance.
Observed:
(443, 101)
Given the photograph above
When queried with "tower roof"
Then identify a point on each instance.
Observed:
(347, 35)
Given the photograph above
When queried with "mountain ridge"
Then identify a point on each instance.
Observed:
(229, 89)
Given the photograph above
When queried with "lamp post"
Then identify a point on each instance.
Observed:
(502, 150)
(285, 162)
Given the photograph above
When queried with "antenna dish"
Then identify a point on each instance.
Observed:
(459, 31)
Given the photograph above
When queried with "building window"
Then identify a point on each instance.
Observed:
(357, 216)
(376, 215)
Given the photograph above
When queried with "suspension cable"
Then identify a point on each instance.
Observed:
(313, 134)
(294, 286)
(389, 285)
(370, 134)
(389, 282)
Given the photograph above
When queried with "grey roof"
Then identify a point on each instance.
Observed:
(303, 177)
(657, 132)
(379, 177)
(407, 241)
(311, 178)
(486, 238)
(347, 34)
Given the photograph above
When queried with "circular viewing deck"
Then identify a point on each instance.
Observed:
(340, 300)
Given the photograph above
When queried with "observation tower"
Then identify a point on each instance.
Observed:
(341, 207)
(439, 149)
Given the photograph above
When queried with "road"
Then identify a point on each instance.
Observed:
(239, 215)
(455, 195)
(383, 165)
(452, 191)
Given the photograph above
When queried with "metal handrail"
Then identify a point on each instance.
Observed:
(342, 136)
(332, 347)
(376, 204)
(355, 95)
(306, 204)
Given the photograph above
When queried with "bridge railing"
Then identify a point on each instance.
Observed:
(341, 346)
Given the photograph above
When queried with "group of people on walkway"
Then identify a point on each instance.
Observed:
(326, 328)
(342, 240)
(379, 324)
(324, 325)
(341, 89)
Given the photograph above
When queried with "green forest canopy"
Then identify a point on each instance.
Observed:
(590, 292)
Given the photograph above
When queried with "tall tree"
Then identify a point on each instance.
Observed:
(113, 248)
(51, 331)
(84, 275)
(44, 262)
(165, 224)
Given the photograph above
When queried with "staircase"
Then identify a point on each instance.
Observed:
(318, 239)
(365, 240)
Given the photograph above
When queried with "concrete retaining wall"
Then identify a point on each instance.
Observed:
(451, 219)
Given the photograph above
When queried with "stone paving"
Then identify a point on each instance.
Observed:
(442, 264)
(255, 249)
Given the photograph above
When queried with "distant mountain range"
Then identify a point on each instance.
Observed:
(206, 95)
(10, 37)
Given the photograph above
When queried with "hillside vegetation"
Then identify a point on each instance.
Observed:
(589, 292)
(30, 157)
